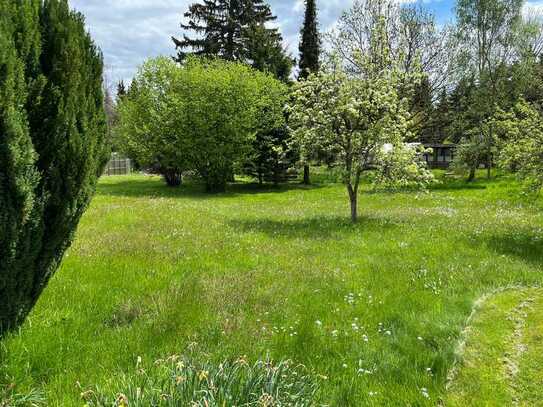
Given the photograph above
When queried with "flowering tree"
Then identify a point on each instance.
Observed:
(352, 119)
(521, 150)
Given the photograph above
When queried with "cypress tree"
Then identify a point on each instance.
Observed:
(310, 46)
(52, 144)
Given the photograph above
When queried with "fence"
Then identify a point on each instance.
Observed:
(118, 165)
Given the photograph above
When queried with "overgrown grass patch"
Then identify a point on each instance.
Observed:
(375, 310)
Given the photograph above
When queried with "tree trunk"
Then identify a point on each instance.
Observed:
(489, 167)
(471, 174)
(353, 198)
(216, 185)
(307, 180)
(354, 209)
(173, 178)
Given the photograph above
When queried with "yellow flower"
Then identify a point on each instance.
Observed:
(122, 400)
(203, 375)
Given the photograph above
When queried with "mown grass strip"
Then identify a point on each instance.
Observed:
(502, 361)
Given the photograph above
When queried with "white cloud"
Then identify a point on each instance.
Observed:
(533, 8)
(130, 31)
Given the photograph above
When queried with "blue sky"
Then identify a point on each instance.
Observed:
(130, 31)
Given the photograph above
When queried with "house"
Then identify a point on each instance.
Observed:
(442, 155)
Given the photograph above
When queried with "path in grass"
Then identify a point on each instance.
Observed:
(502, 361)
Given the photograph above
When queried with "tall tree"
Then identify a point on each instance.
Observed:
(265, 52)
(235, 30)
(310, 49)
(52, 145)
(310, 44)
(412, 36)
(488, 31)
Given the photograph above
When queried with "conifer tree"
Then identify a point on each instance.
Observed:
(121, 89)
(235, 30)
(310, 43)
(52, 144)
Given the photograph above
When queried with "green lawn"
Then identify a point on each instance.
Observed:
(374, 311)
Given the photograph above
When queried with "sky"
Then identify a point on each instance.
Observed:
(131, 31)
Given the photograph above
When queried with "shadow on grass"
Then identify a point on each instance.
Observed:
(523, 244)
(322, 227)
(457, 186)
(156, 188)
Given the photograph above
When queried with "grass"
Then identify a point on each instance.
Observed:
(503, 357)
(374, 311)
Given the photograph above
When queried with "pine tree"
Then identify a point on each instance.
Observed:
(265, 52)
(121, 89)
(52, 144)
(235, 30)
(310, 44)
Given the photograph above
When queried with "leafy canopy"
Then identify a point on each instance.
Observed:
(352, 118)
(202, 115)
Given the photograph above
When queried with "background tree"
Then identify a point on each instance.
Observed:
(235, 30)
(272, 157)
(265, 52)
(121, 89)
(202, 116)
(488, 31)
(52, 147)
(310, 49)
(471, 153)
(150, 126)
(412, 37)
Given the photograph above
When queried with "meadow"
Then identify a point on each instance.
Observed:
(372, 314)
